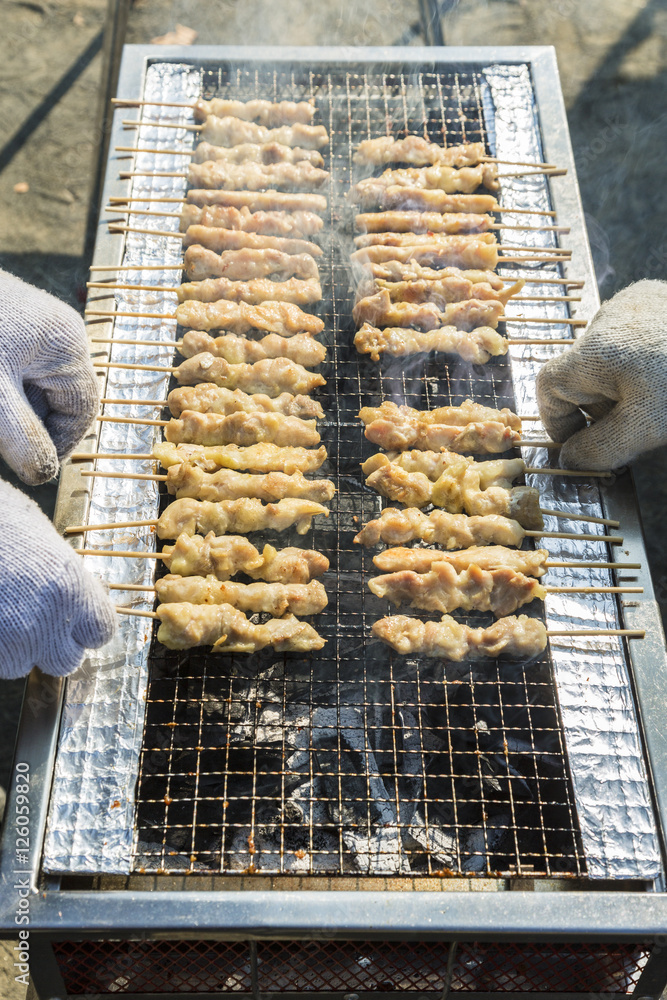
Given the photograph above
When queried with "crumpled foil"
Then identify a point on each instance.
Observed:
(609, 776)
(92, 808)
(91, 820)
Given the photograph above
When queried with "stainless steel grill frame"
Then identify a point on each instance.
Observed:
(77, 911)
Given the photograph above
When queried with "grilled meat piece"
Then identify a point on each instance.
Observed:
(443, 589)
(256, 201)
(454, 531)
(256, 176)
(440, 177)
(531, 562)
(247, 264)
(251, 152)
(515, 638)
(231, 131)
(475, 254)
(439, 291)
(239, 317)
(242, 429)
(416, 150)
(476, 346)
(193, 517)
(374, 193)
(225, 556)
(264, 457)
(423, 222)
(380, 311)
(272, 376)
(228, 630)
(218, 239)
(270, 113)
(302, 349)
(301, 293)
(208, 398)
(275, 599)
(398, 428)
(189, 481)
(298, 224)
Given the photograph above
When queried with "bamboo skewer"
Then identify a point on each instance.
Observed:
(81, 529)
(138, 402)
(136, 343)
(167, 289)
(177, 215)
(133, 611)
(628, 632)
(580, 517)
(549, 565)
(136, 267)
(138, 314)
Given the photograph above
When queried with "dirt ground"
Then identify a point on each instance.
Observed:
(613, 62)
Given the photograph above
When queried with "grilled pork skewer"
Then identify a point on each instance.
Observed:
(228, 630)
(258, 201)
(296, 224)
(516, 638)
(247, 264)
(241, 429)
(230, 131)
(192, 517)
(417, 151)
(268, 113)
(440, 291)
(442, 178)
(393, 272)
(218, 240)
(380, 311)
(443, 589)
(272, 376)
(251, 152)
(461, 486)
(189, 481)
(529, 562)
(456, 531)
(208, 398)
(302, 348)
(373, 193)
(398, 428)
(262, 458)
(476, 346)
(283, 318)
(226, 555)
(275, 599)
(215, 174)
(389, 239)
(423, 222)
(301, 293)
(475, 254)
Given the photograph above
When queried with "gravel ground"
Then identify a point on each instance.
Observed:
(613, 62)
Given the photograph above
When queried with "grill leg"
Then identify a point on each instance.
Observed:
(653, 979)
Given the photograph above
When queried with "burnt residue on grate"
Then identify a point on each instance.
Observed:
(357, 760)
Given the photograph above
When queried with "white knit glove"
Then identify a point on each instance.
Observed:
(51, 610)
(48, 390)
(617, 374)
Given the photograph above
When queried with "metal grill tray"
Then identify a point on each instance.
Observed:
(357, 760)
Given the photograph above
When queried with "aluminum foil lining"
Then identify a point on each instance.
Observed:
(92, 805)
(91, 820)
(609, 776)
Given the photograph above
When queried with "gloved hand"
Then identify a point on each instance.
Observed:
(51, 609)
(617, 374)
(48, 390)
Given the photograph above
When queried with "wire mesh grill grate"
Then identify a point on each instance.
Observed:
(355, 760)
(332, 967)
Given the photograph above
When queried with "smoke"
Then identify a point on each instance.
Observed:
(600, 251)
